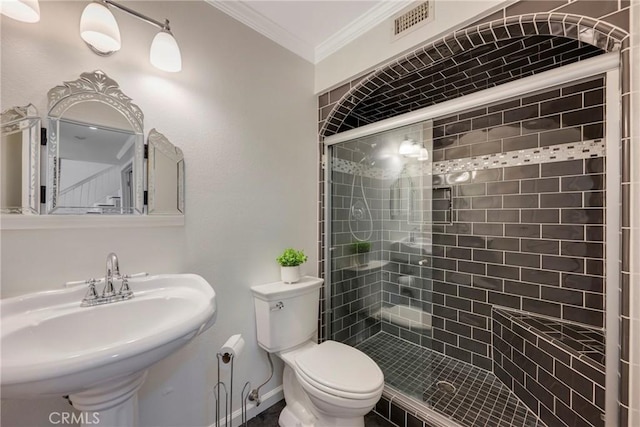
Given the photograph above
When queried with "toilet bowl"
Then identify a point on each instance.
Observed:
(327, 384)
(340, 384)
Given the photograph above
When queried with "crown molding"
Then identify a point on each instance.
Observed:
(359, 26)
(258, 22)
(314, 54)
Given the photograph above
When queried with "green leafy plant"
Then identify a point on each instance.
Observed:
(360, 247)
(291, 258)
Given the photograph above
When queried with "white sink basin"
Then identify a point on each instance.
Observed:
(52, 347)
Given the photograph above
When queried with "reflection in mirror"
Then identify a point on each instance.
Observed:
(95, 155)
(166, 176)
(20, 161)
(95, 167)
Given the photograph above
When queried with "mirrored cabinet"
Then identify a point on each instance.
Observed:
(20, 161)
(166, 176)
(94, 157)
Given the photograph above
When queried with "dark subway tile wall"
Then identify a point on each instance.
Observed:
(523, 237)
(552, 117)
(398, 415)
(591, 16)
(435, 78)
(556, 368)
(356, 280)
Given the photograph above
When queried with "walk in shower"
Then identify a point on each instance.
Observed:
(465, 252)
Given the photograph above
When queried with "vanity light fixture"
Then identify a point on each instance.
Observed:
(410, 148)
(21, 10)
(99, 29)
(406, 147)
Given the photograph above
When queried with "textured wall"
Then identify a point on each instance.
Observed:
(240, 109)
(377, 44)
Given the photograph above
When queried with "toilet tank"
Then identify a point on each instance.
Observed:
(286, 314)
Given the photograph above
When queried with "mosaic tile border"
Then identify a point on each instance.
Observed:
(532, 156)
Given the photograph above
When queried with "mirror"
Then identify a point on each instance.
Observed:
(20, 161)
(401, 197)
(96, 149)
(166, 176)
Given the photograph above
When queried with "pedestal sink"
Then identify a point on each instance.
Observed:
(51, 346)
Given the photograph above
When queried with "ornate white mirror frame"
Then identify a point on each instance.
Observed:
(93, 90)
(20, 160)
(166, 176)
(97, 87)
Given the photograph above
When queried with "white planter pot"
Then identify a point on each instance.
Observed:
(362, 259)
(290, 274)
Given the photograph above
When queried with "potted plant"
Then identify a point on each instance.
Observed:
(361, 251)
(290, 261)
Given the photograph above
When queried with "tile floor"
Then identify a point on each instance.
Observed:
(269, 418)
(479, 399)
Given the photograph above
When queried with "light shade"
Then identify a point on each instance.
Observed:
(406, 147)
(423, 155)
(21, 10)
(165, 53)
(415, 150)
(99, 28)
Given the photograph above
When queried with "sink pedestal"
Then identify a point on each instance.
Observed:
(112, 404)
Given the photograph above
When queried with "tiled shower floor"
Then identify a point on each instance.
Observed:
(479, 399)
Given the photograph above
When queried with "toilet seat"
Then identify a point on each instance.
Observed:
(339, 370)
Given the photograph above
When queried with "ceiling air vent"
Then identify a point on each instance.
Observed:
(412, 19)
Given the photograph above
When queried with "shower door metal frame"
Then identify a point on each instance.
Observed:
(607, 64)
(328, 304)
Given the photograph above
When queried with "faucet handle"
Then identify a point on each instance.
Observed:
(91, 292)
(125, 290)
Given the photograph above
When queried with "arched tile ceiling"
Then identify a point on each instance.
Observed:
(462, 73)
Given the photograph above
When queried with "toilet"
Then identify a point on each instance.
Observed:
(328, 384)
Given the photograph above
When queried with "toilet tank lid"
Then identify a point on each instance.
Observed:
(280, 290)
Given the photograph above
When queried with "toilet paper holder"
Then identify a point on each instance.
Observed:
(231, 348)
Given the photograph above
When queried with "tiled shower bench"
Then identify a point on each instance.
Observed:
(555, 367)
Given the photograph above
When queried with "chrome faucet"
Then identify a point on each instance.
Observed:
(108, 294)
(113, 270)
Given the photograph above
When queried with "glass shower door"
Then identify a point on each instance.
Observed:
(380, 223)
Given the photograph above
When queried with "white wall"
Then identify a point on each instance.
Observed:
(243, 112)
(377, 45)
